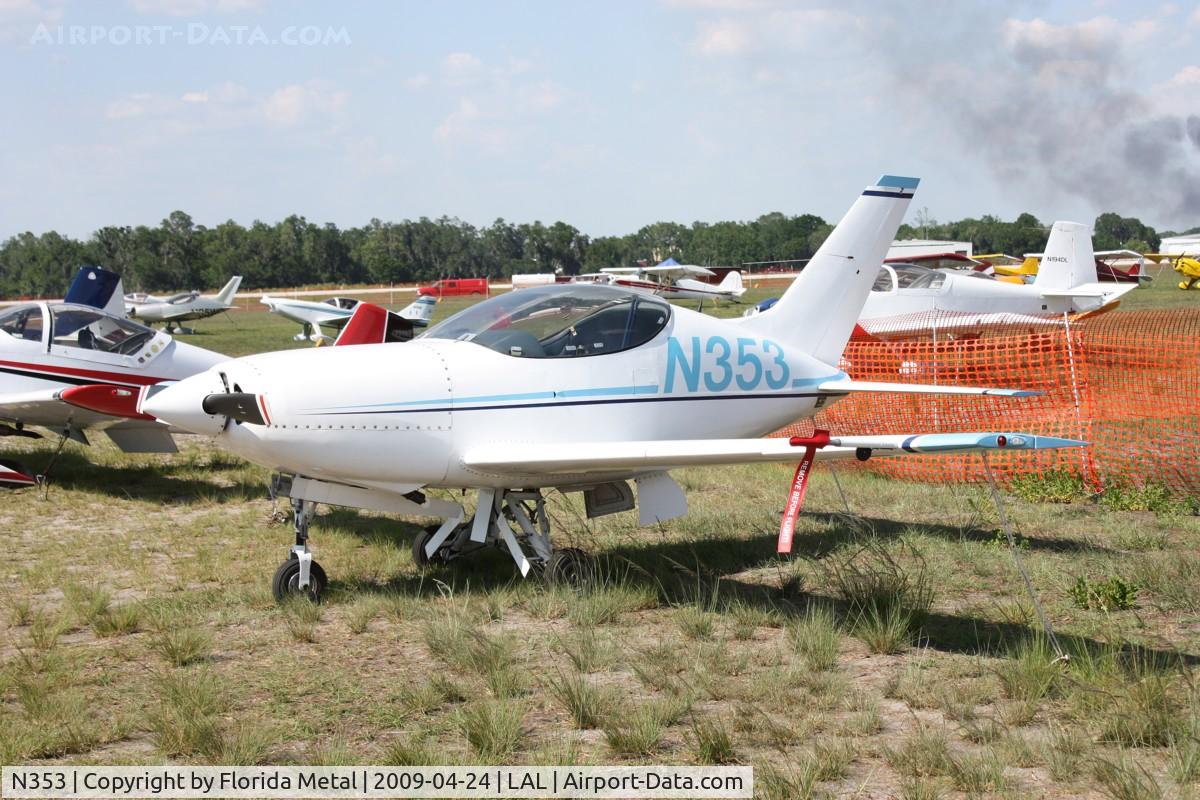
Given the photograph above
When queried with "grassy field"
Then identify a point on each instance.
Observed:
(896, 655)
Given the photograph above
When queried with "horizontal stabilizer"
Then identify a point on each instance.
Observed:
(1107, 291)
(840, 386)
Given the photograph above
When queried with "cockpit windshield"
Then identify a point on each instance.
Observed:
(22, 322)
(561, 321)
(89, 329)
(908, 276)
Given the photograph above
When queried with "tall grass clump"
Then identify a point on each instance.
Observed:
(887, 598)
(586, 704)
(816, 639)
(183, 646)
(493, 728)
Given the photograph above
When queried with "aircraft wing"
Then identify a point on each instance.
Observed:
(176, 312)
(93, 405)
(630, 457)
(19, 405)
(847, 385)
(669, 271)
(679, 269)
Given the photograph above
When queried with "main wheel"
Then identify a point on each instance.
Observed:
(418, 548)
(569, 566)
(286, 582)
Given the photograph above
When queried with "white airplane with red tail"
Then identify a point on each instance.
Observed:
(533, 389)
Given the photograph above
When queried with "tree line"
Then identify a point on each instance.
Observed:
(179, 254)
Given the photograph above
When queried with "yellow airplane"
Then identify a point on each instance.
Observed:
(1186, 265)
(1010, 269)
(1108, 266)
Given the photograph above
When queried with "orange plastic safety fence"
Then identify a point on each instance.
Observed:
(1128, 382)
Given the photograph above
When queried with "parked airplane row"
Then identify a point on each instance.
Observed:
(520, 393)
(907, 298)
(336, 312)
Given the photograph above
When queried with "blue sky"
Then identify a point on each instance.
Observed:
(608, 116)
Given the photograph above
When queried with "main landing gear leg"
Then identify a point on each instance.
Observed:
(300, 575)
(515, 521)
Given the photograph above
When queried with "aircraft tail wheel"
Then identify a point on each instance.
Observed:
(570, 567)
(286, 583)
(418, 548)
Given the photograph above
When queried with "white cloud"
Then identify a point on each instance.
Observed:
(767, 28)
(291, 104)
(461, 68)
(496, 106)
(193, 8)
(1036, 37)
(368, 158)
(1194, 19)
(542, 96)
(722, 38)
(459, 122)
(230, 105)
(229, 93)
(140, 104)
(1186, 77)
(236, 6)
(20, 18)
(718, 5)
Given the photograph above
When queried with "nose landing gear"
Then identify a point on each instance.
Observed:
(300, 575)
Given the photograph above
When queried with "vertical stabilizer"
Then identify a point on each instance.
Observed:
(1068, 261)
(99, 288)
(225, 296)
(819, 310)
(420, 311)
(733, 283)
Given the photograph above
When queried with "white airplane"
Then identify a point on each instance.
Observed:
(905, 297)
(70, 367)
(534, 389)
(181, 307)
(908, 299)
(334, 313)
(670, 280)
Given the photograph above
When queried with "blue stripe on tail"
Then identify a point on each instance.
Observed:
(898, 182)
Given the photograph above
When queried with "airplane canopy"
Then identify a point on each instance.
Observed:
(559, 320)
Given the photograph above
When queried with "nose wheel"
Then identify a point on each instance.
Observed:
(286, 583)
(300, 575)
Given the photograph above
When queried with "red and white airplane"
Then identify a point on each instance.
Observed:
(70, 367)
(533, 389)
